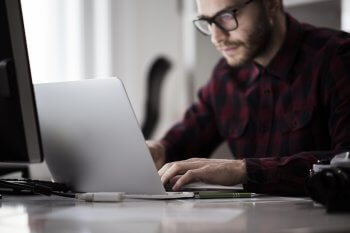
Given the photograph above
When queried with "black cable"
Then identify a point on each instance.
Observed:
(53, 185)
(69, 195)
(38, 187)
(15, 186)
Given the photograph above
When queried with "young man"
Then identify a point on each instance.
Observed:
(280, 97)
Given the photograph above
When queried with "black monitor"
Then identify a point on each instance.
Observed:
(20, 140)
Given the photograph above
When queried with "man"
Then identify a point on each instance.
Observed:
(280, 97)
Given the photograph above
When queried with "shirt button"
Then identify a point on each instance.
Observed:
(267, 92)
(295, 124)
(264, 128)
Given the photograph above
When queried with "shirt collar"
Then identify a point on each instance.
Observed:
(282, 63)
(244, 76)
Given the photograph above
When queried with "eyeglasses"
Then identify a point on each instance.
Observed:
(226, 20)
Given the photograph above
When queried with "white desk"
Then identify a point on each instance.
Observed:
(264, 214)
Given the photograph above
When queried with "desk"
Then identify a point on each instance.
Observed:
(264, 214)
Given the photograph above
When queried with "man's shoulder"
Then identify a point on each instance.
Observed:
(319, 38)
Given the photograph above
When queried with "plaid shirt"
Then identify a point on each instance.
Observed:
(281, 118)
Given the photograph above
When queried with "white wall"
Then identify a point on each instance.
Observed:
(345, 15)
(68, 39)
(319, 13)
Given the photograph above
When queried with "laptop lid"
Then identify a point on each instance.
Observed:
(92, 140)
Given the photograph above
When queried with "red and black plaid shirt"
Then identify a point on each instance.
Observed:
(281, 118)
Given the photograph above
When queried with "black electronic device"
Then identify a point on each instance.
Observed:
(19, 128)
(329, 184)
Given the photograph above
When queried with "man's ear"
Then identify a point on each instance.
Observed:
(273, 6)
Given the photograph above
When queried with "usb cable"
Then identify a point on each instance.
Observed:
(101, 197)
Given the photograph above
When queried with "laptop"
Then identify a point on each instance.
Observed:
(92, 140)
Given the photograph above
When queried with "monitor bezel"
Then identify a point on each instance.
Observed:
(24, 84)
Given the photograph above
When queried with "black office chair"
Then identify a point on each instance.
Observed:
(155, 78)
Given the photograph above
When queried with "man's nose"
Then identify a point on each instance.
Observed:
(217, 34)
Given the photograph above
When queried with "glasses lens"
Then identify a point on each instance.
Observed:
(203, 26)
(227, 21)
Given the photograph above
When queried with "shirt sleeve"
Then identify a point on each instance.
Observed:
(287, 175)
(284, 175)
(197, 134)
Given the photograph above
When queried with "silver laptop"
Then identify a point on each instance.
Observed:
(92, 140)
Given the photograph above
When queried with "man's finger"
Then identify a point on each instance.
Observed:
(173, 170)
(174, 180)
(188, 177)
(164, 168)
(194, 163)
(177, 169)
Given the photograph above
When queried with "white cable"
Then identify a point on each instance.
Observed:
(101, 197)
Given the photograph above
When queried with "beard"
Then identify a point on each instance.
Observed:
(256, 43)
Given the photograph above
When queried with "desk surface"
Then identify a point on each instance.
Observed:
(263, 214)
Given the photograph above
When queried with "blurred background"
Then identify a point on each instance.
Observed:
(83, 39)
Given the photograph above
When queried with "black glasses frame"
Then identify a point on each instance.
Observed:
(212, 20)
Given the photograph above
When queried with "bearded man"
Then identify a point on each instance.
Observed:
(280, 98)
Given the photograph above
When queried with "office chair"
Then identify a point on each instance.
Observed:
(155, 78)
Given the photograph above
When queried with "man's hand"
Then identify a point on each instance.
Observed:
(212, 171)
(158, 153)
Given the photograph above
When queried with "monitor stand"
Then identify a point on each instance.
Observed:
(5, 69)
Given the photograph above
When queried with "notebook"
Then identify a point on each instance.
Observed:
(92, 140)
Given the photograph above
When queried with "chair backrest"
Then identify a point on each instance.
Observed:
(156, 76)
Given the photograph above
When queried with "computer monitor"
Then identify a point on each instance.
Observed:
(20, 140)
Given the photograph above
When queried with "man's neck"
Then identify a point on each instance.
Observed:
(276, 42)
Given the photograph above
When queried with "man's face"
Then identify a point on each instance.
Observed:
(249, 40)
